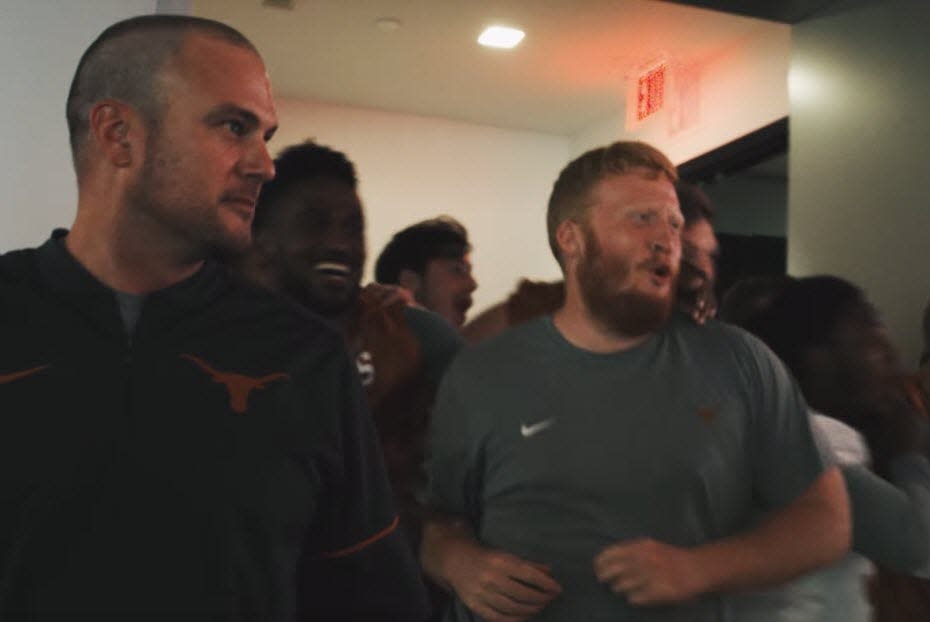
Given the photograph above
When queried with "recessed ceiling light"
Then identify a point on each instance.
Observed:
(387, 24)
(500, 37)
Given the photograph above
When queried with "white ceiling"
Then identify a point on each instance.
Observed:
(568, 73)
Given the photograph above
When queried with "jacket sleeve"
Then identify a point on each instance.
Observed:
(358, 564)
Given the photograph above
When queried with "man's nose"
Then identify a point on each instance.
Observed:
(258, 162)
(666, 238)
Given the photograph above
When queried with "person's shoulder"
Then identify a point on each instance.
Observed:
(430, 327)
(432, 330)
(272, 314)
(711, 332)
(533, 299)
(17, 266)
(516, 344)
(439, 342)
(720, 347)
(21, 284)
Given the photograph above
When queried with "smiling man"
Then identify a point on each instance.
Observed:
(174, 443)
(605, 462)
(310, 247)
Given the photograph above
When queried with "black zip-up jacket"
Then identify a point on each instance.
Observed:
(221, 464)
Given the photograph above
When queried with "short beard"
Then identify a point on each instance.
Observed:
(154, 197)
(628, 314)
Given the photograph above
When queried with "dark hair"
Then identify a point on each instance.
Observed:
(124, 64)
(417, 245)
(569, 198)
(805, 314)
(298, 163)
(746, 299)
(695, 204)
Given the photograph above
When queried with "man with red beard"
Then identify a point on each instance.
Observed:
(605, 462)
(696, 281)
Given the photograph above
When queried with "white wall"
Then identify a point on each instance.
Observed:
(735, 91)
(40, 44)
(859, 196)
(495, 181)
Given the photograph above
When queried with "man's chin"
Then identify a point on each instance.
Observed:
(634, 314)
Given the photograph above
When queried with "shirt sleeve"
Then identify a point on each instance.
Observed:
(453, 467)
(891, 519)
(439, 341)
(358, 564)
(785, 457)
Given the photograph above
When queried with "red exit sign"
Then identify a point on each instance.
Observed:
(650, 92)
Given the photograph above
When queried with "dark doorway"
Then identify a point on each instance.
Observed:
(747, 181)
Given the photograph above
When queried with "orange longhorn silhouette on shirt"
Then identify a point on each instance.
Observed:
(16, 375)
(238, 385)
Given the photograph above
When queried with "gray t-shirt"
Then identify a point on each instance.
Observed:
(553, 452)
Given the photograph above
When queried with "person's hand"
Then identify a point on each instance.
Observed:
(648, 572)
(498, 586)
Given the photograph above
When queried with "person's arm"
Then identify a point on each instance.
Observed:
(891, 519)
(357, 563)
(495, 585)
(810, 532)
(488, 323)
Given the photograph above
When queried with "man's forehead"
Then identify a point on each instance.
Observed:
(641, 173)
(233, 72)
(634, 189)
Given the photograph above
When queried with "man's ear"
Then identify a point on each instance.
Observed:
(569, 240)
(114, 127)
(408, 279)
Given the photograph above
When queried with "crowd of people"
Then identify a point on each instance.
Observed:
(206, 413)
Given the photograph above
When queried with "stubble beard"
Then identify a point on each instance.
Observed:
(160, 196)
(624, 313)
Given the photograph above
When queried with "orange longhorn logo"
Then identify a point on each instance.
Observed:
(238, 385)
(16, 375)
(707, 414)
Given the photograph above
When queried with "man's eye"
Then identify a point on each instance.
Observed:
(237, 128)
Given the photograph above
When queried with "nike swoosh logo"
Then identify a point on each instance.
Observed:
(17, 375)
(535, 428)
